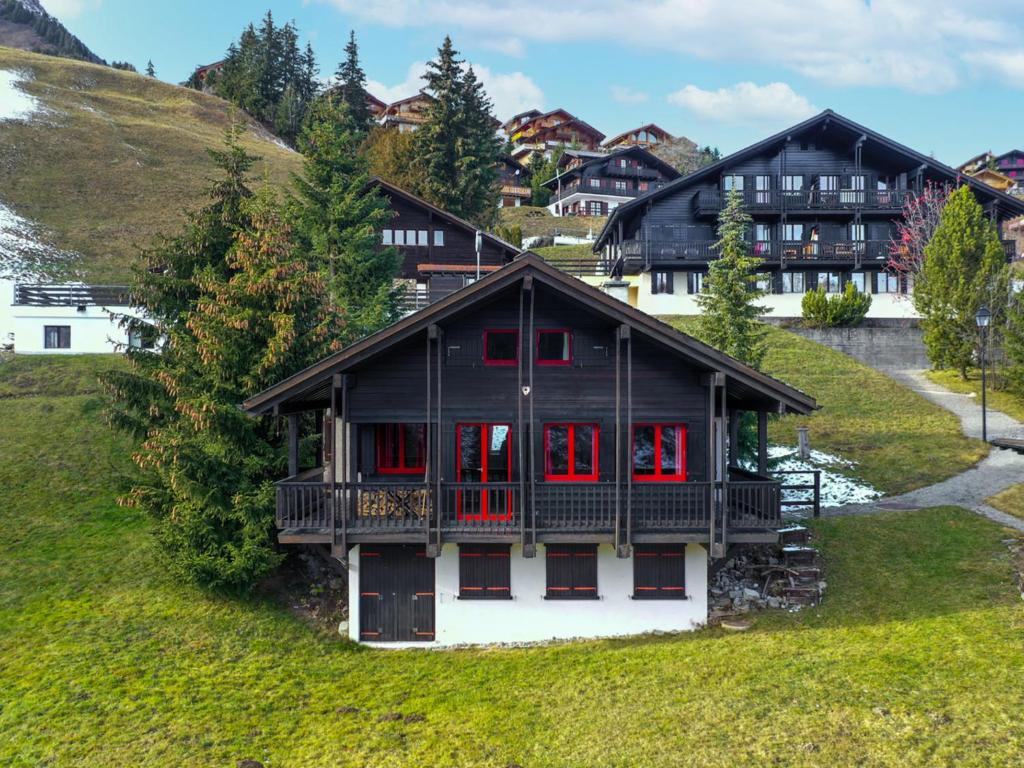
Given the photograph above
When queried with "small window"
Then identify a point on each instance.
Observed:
(438, 238)
(421, 237)
(661, 282)
(732, 182)
(886, 282)
(386, 237)
(793, 282)
(410, 237)
(859, 282)
(595, 183)
(571, 571)
(792, 183)
(142, 338)
(595, 208)
(857, 232)
(485, 572)
(57, 337)
(620, 186)
(554, 347)
(831, 281)
(401, 449)
(694, 282)
(659, 452)
(571, 452)
(793, 233)
(659, 572)
(399, 237)
(501, 347)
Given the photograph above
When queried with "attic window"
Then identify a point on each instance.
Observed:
(554, 347)
(501, 347)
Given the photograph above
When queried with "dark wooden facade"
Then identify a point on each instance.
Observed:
(438, 249)
(625, 370)
(515, 183)
(649, 135)
(823, 194)
(592, 184)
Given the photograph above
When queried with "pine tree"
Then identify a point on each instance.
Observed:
(729, 319)
(964, 267)
(438, 140)
(351, 87)
(238, 307)
(481, 150)
(339, 218)
(150, 69)
(1013, 344)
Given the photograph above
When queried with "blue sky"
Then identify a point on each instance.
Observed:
(943, 76)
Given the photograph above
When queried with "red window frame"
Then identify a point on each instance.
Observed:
(484, 513)
(659, 476)
(572, 476)
(568, 335)
(515, 335)
(402, 469)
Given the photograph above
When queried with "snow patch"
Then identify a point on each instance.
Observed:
(837, 488)
(15, 103)
(23, 254)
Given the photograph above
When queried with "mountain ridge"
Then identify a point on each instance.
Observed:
(25, 24)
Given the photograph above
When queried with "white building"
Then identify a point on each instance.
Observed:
(71, 319)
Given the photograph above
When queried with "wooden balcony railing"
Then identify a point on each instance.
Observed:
(304, 504)
(710, 202)
(673, 252)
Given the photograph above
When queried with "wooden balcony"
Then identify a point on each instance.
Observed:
(414, 511)
(640, 254)
(711, 202)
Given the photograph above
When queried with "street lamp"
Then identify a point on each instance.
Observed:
(982, 318)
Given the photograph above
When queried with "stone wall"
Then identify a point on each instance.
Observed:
(883, 344)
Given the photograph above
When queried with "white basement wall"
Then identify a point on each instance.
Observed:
(528, 617)
(92, 330)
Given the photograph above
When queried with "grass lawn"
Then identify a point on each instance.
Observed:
(914, 659)
(1010, 501)
(116, 157)
(1007, 402)
(536, 221)
(899, 440)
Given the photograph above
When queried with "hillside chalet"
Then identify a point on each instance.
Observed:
(823, 195)
(534, 132)
(439, 250)
(595, 183)
(646, 136)
(526, 459)
(515, 183)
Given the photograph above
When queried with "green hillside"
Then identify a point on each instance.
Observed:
(113, 157)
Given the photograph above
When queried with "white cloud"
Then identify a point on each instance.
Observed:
(511, 92)
(745, 103)
(510, 46)
(70, 9)
(1007, 66)
(626, 95)
(916, 45)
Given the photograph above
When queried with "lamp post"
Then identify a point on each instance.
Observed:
(981, 319)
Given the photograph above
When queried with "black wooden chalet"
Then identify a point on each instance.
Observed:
(823, 195)
(528, 407)
(593, 183)
(438, 248)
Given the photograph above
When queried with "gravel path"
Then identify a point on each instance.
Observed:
(997, 471)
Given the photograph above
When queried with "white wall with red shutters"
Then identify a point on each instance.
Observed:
(529, 617)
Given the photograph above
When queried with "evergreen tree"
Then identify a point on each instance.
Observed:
(1013, 344)
(729, 319)
(340, 217)
(150, 69)
(456, 148)
(351, 87)
(238, 307)
(964, 267)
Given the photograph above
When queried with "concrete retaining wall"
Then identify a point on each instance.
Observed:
(882, 344)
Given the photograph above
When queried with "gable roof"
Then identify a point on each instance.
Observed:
(740, 378)
(647, 127)
(451, 218)
(570, 119)
(1014, 205)
(647, 156)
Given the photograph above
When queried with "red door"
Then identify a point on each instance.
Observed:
(484, 456)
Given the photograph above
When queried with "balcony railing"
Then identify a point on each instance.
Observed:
(612, 168)
(711, 202)
(602, 188)
(675, 252)
(495, 508)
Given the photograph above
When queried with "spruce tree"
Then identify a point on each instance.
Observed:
(238, 307)
(728, 302)
(964, 267)
(150, 69)
(438, 141)
(340, 217)
(1013, 344)
(351, 88)
(481, 150)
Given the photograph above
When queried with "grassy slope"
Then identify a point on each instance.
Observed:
(538, 221)
(899, 440)
(1010, 501)
(914, 659)
(116, 159)
(1007, 402)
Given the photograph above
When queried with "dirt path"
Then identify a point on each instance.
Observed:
(996, 472)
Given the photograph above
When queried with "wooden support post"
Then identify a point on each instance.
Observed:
(293, 444)
(762, 442)
(719, 548)
(618, 442)
(530, 548)
(522, 394)
(629, 430)
(331, 429)
(734, 438)
(428, 464)
(436, 333)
